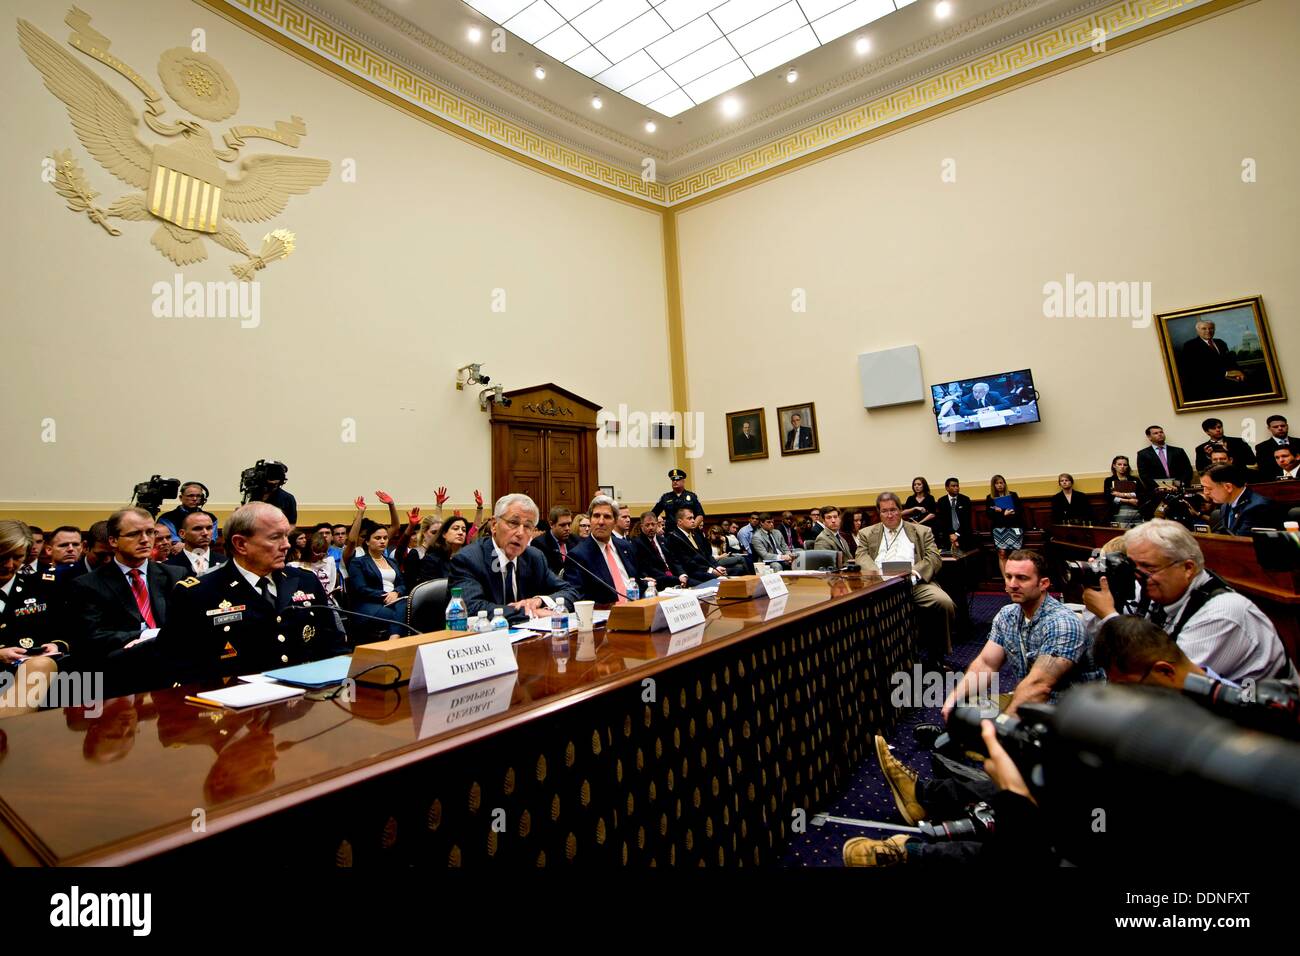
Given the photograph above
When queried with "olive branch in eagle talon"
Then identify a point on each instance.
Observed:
(185, 189)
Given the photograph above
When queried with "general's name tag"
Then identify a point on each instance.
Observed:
(463, 660)
(228, 618)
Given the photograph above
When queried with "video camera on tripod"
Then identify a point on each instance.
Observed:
(150, 494)
(254, 482)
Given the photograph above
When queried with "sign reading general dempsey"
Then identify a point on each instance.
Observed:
(462, 660)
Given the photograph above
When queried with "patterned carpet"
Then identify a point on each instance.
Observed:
(868, 796)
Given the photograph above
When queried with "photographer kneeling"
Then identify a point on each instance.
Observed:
(1217, 628)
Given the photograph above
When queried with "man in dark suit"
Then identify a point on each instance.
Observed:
(252, 613)
(1240, 452)
(501, 570)
(602, 565)
(799, 436)
(95, 553)
(953, 529)
(747, 442)
(1207, 366)
(1241, 509)
(196, 557)
(1159, 461)
(652, 555)
(686, 554)
(981, 398)
(554, 543)
(1279, 437)
(122, 605)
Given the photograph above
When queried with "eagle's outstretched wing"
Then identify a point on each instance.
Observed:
(268, 182)
(104, 121)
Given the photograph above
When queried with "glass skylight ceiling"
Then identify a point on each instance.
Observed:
(670, 55)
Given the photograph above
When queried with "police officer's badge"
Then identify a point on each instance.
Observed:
(26, 643)
(308, 633)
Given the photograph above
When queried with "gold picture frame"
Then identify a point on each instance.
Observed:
(1233, 363)
(747, 444)
(806, 441)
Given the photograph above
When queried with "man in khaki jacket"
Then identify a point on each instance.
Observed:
(894, 539)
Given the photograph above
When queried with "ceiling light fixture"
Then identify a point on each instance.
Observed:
(863, 45)
(539, 71)
(792, 75)
(942, 9)
(475, 34)
(730, 106)
(650, 126)
(596, 102)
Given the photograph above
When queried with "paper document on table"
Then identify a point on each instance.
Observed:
(543, 624)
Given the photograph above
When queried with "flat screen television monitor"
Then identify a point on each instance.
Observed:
(985, 403)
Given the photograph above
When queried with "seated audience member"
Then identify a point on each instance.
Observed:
(1043, 641)
(1132, 650)
(686, 554)
(164, 548)
(500, 570)
(399, 548)
(196, 556)
(450, 537)
(96, 551)
(1241, 509)
(1124, 502)
(652, 555)
(31, 622)
(375, 583)
(831, 539)
(746, 534)
(920, 505)
(955, 527)
(297, 546)
(581, 525)
(1070, 506)
(894, 539)
(767, 545)
(1007, 519)
(859, 522)
(423, 537)
(35, 552)
(602, 565)
(1288, 464)
(786, 529)
(1239, 451)
(1219, 455)
(63, 549)
(815, 526)
(319, 562)
(729, 529)
(1216, 627)
(192, 500)
(717, 541)
(441, 496)
(122, 605)
(555, 543)
(1265, 451)
(252, 613)
(338, 538)
(1160, 461)
(623, 527)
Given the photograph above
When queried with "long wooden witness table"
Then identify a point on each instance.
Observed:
(1230, 557)
(641, 750)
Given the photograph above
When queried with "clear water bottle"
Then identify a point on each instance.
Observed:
(481, 623)
(499, 622)
(650, 589)
(456, 611)
(633, 590)
(560, 620)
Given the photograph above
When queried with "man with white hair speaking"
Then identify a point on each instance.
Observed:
(501, 570)
(1217, 628)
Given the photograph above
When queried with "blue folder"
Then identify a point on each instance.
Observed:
(332, 670)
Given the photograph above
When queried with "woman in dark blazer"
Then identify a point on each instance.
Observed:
(376, 583)
(1068, 505)
(1124, 505)
(447, 540)
(920, 505)
(1008, 523)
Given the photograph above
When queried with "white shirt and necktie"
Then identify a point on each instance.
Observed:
(200, 559)
(1163, 454)
(263, 586)
(617, 572)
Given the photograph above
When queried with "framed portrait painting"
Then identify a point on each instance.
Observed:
(747, 435)
(798, 429)
(1220, 355)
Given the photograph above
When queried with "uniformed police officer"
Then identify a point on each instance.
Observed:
(679, 497)
(252, 613)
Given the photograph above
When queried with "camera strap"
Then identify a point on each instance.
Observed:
(1200, 596)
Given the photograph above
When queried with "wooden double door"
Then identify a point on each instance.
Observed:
(544, 446)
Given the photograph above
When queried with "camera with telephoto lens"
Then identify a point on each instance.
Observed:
(150, 494)
(1021, 736)
(253, 482)
(976, 824)
(1185, 507)
(1120, 573)
(1269, 705)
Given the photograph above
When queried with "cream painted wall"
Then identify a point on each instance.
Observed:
(387, 294)
(1127, 168)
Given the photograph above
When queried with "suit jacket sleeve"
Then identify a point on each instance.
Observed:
(362, 582)
(103, 618)
(865, 557)
(927, 561)
(762, 546)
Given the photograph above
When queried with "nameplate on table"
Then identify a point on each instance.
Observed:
(679, 613)
(686, 640)
(454, 708)
(774, 585)
(988, 418)
(463, 660)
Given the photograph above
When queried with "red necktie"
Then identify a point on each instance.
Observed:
(141, 596)
(564, 552)
(616, 573)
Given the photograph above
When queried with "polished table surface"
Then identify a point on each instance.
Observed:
(112, 789)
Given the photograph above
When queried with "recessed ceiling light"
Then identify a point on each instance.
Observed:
(475, 34)
(730, 106)
(942, 9)
(862, 45)
(792, 75)
(650, 126)
(596, 103)
(539, 71)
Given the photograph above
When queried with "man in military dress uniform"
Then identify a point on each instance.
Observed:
(252, 613)
(29, 612)
(679, 497)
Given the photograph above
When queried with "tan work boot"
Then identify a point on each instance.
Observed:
(865, 851)
(902, 781)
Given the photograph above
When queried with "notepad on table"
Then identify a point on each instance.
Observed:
(241, 696)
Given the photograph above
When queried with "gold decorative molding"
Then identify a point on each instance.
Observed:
(550, 408)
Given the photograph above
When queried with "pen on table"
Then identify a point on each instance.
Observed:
(203, 703)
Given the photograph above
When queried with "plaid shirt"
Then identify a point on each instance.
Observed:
(1054, 630)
